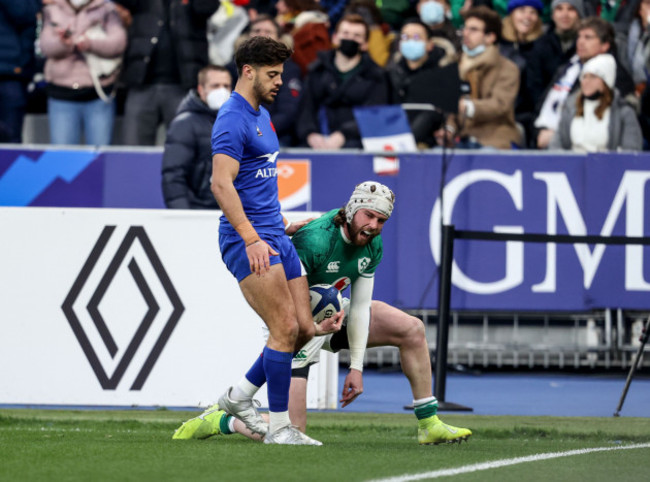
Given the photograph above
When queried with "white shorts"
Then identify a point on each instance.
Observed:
(310, 353)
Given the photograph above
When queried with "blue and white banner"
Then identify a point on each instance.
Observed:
(385, 128)
(520, 192)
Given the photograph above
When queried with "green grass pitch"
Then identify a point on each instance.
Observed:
(52, 445)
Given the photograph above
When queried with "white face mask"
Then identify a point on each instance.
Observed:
(217, 97)
(478, 50)
(77, 4)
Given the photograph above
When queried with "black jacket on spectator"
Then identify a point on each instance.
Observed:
(520, 53)
(17, 35)
(402, 78)
(187, 29)
(187, 160)
(324, 88)
(543, 62)
(644, 117)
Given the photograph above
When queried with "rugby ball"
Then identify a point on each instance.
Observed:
(325, 301)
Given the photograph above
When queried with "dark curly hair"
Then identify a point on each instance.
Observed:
(261, 52)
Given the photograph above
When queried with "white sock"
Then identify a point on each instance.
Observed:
(231, 424)
(423, 401)
(277, 420)
(244, 390)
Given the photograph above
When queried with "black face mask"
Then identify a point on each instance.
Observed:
(349, 48)
(595, 96)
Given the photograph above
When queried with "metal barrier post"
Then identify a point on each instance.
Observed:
(442, 338)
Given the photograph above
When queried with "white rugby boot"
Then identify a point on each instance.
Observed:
(289, 435)
(245, 411)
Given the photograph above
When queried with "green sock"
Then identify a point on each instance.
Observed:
(224, 424)
(425, 408)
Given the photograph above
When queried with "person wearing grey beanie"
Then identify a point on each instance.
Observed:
(576, 4)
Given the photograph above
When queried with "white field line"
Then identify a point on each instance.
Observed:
(504, 463)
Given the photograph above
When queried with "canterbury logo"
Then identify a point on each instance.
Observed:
(270, 157)
(333, 267)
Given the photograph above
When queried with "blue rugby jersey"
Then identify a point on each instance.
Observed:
(248, 136)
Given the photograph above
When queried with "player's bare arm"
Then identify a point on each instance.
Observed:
(224, 172)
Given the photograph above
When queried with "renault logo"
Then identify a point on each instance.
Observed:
(139, 270)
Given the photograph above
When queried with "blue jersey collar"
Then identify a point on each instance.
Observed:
(247, 106)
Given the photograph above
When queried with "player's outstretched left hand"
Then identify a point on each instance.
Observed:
(352, 388)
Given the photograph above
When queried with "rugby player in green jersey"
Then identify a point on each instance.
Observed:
(343, 248)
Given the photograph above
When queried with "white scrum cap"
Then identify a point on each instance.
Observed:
(370, 195)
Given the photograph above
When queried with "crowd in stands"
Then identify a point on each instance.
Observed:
(520, 74)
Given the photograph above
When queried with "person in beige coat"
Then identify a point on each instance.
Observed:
(486, 114)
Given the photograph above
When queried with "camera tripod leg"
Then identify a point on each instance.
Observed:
(644, 339)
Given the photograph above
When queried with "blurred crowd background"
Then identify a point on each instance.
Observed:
(479, 74)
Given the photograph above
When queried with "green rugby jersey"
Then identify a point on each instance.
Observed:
(329, 259)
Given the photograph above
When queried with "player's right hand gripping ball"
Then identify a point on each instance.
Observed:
(325, 301)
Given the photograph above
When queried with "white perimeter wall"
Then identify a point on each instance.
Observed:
(43, 251)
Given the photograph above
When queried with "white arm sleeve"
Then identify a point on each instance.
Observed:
(359, 319)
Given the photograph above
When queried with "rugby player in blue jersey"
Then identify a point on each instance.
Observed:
(343, 248)
(253, 242)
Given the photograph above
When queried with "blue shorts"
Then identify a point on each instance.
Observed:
(233, 253)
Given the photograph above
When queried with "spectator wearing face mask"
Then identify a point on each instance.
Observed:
(420, 65)
(187, 160)
(436, 15)
(596, 118)
(486, 116)
(338, 81)
(381, 38)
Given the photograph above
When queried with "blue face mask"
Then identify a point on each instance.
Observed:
(432, 13)
(413, 49)
(478, 50)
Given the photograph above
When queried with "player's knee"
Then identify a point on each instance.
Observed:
(288, 331)
(415, 332)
